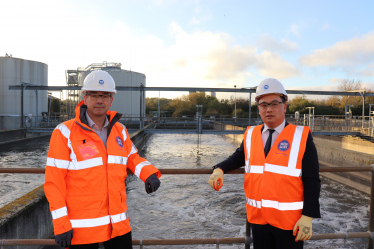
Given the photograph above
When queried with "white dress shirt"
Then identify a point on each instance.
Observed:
(102, 133)
(265, 133)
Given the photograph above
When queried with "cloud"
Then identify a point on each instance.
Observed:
(249, 75)
(272, 65)
(325, 26)
(368, 86)
(267, 42)
(158, 1)
(202, 15)
(295, 29)
(345, 53)
(214, 57)
(368, 71)
(197, 8)
(195, 59)
(196, 20)
(335, 80)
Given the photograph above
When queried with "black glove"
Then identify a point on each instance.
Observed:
(152, 184)
(64, 239)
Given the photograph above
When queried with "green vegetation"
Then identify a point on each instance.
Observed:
(186, 105)
(333, 105)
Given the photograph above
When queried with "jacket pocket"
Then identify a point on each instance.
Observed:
(84, 202)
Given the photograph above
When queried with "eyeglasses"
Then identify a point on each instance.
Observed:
(273, 104)
(96, 96)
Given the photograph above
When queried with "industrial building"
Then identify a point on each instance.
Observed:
(17, 103)
(129, 103)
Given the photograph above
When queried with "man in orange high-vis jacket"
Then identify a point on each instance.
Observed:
(86, 170)
(281, 180)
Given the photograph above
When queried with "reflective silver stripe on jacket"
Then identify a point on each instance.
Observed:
(81, 223)
(282, 206)
(84, 223)
(119, 217)
(58, 213)
(139, 167)
(58, 163)
(254, 169)
(117, 159)
(253, 203)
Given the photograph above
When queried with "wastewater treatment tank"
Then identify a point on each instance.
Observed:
(17, 71)
(185, 206)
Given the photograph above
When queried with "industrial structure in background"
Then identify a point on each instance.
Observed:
(129, 103)
(18, 108)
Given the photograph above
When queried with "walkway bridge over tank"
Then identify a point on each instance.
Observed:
(320, 125)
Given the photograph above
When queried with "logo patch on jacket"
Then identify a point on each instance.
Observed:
(283, 145)
(119, 141)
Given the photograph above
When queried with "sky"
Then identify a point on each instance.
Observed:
(310, 45)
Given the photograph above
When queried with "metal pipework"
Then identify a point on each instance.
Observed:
(15, 242)
(189, 171)
(371, 210)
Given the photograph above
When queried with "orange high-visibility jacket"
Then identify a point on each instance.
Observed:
(273, 186)
(85, 182)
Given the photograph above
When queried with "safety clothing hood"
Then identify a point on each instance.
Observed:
(270, 86)
(99, 81)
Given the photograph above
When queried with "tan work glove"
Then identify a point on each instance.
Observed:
(303, 228)
(216, 179)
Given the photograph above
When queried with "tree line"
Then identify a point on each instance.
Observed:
(333, 105)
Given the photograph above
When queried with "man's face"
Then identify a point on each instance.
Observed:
(271, 115)
(98, 103)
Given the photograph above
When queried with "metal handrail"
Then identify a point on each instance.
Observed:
(239, 240)
(189, 171)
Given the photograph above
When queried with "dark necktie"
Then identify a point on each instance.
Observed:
(268, 142)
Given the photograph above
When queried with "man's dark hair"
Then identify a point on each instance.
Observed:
(283, 98)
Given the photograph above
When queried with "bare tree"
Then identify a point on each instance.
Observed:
(350, 85)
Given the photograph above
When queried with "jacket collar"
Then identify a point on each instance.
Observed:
(81, 119)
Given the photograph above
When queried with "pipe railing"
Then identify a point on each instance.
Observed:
(369, 234)
(239, 240)
(190, 171)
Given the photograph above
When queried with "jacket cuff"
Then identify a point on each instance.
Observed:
(61, 225)
(149, 170)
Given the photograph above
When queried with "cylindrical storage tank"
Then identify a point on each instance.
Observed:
(125, 102)
(16, 71)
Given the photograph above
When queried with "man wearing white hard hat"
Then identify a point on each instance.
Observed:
(87, 165)
(281, 180)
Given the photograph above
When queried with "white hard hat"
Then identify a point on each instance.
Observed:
(270, 86)
(99, 81)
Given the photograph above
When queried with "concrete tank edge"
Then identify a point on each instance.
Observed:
(28, 217)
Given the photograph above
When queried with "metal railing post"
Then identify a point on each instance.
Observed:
(199, 125)
(248, 239)
(371, 212)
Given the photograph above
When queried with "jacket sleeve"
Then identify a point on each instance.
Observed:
(311, 181)
(138, 165)
(58, 161)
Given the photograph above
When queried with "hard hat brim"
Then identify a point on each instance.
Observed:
(279, 94)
